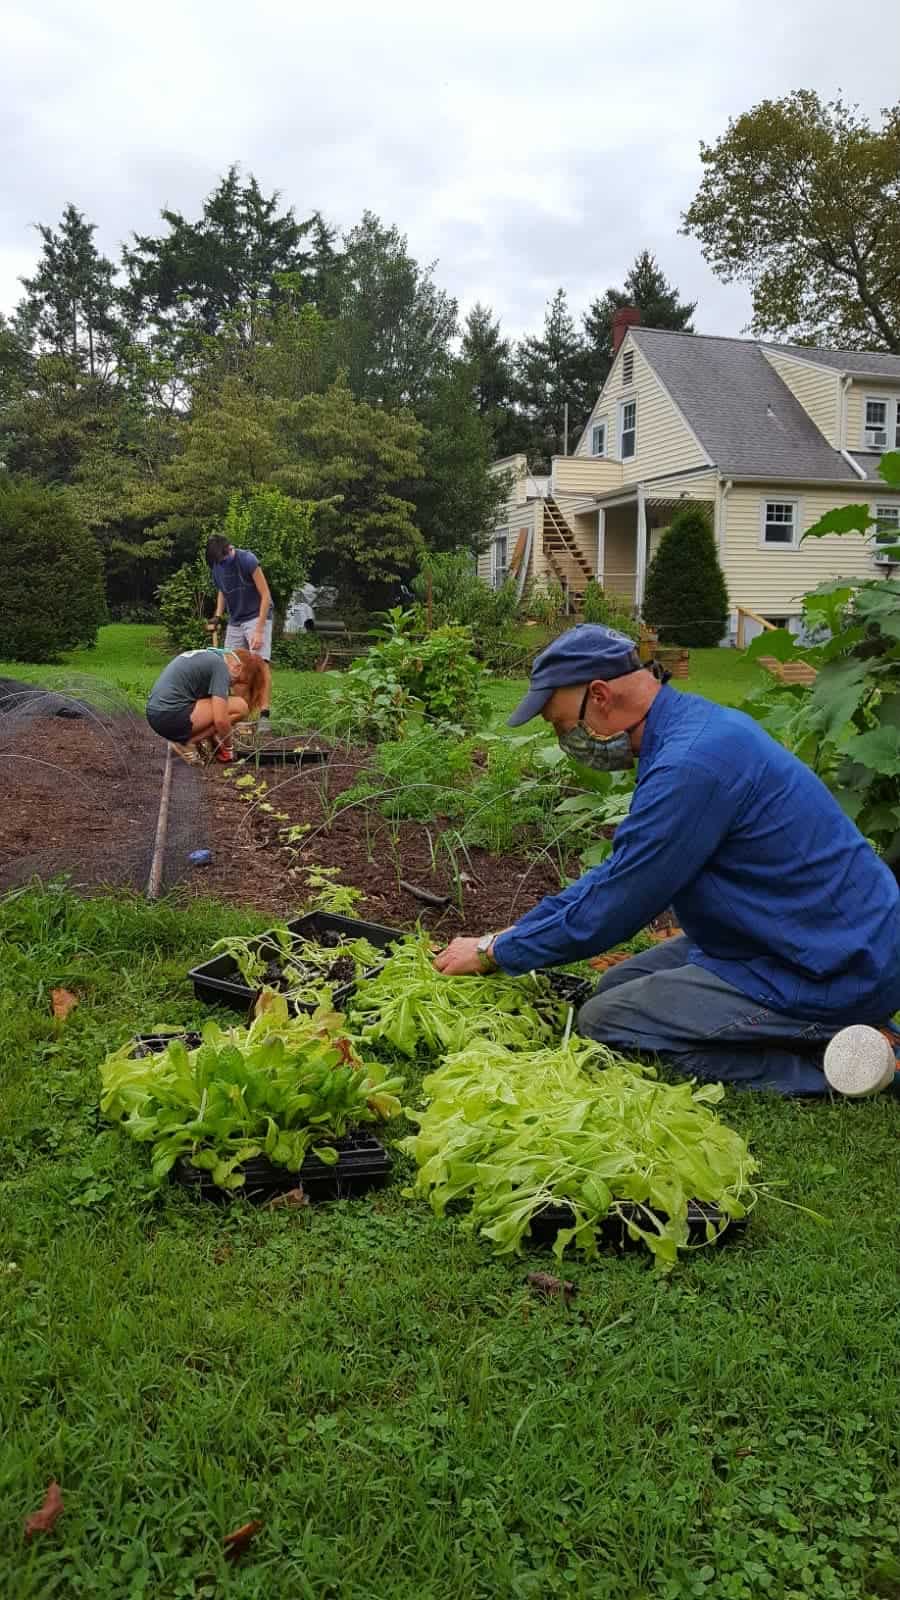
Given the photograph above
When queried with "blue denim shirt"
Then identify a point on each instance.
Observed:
(777, 890)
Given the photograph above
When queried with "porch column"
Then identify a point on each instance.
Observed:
(601, 544)
(641, 546)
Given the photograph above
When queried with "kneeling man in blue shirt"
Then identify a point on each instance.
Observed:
(788, 971)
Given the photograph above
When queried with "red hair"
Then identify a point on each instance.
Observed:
(253, 682)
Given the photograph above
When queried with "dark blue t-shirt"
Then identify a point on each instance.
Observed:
(234, 578)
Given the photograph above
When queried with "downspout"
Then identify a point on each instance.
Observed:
(722, 511)
(851, 463)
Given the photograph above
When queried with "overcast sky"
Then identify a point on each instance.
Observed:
(521, 156)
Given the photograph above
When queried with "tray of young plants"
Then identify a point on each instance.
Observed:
(411, 1007)
(575, 1143)
(280, 755)
(285, 1103)
(318, 952)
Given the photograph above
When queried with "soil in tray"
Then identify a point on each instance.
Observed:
(251, 866)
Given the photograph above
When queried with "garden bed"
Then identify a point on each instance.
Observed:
(251, 865)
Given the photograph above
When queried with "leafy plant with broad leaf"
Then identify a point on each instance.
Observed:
(282, 1087)
(846, 726)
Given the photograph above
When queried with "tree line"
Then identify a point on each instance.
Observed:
(247, 350)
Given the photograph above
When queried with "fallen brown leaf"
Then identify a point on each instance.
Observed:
(42, 1521)
(236, 1543)
(544, 1283)
(62, 1001)
(290, 1200)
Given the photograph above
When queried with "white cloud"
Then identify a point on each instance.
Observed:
(522, 154)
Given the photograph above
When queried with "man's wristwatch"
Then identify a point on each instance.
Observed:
(485, 949)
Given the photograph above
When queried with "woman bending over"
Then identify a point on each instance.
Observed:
(200, 695)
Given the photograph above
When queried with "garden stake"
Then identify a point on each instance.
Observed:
(159, 844)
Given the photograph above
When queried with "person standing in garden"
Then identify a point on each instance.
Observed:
(788, 971)
(243, 592)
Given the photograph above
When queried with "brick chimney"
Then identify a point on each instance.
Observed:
(626, 317)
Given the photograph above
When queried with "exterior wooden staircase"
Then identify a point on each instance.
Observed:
(564, 558)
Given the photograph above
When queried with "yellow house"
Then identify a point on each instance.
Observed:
(766, 437)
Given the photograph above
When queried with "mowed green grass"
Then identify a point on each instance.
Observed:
(129, 657)
(386, 1396)
(405, 1419)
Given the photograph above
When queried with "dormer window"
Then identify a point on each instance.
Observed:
(882, 423)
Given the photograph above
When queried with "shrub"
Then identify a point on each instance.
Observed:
(424, 773)
(279, 531)
(547, 603)
(685, 598)
(185, 600)
(437, 675)
(298, 651)
(458, 595)
(846, 726)
(612, 610)
(53, 575)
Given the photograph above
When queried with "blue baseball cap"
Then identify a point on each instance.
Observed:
(580, 655)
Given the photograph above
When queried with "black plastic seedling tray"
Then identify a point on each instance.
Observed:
(278, 757)
(218, 981)
(570, 988)
(362, 1164)
(546, 1224)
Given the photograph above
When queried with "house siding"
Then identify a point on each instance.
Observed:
(773, 581)
(664, 441)
(516, 513)
(577, 476)
(817, 388)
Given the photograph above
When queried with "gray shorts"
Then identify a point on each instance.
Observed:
(239, 634)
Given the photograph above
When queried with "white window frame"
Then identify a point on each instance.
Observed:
(598, 427)
(891, 422)
(623, 405)
(884, 539)
(779, 500)
(500, 535)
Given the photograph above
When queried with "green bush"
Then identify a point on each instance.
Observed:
(297, 651)
(53, 575)
(459, 596)
(437, 675)
(423, 772)
(279, 531)
(185, 601)
(612, 610)
(685, 597)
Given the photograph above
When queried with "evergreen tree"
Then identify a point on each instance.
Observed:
(490, 358)
(458, 496)
(70, 304)
(241, 257)
(646, 287)
(397, 324)
(53, 572)
(685, 597)
(550, 374)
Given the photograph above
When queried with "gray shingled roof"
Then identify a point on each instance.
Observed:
(864, 363)
(745, 417)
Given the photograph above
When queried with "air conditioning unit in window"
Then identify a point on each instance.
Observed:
(883, 558)
(876, 439)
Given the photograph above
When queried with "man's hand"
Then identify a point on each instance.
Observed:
(461, 957)
(256, 639)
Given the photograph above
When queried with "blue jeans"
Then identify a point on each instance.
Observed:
(661, 1004)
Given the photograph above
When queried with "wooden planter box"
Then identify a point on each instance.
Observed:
(675, 659)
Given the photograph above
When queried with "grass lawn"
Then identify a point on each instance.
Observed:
(130, 657)
(384, 1395)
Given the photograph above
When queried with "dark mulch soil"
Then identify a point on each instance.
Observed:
(251, 866)
(80, 796)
